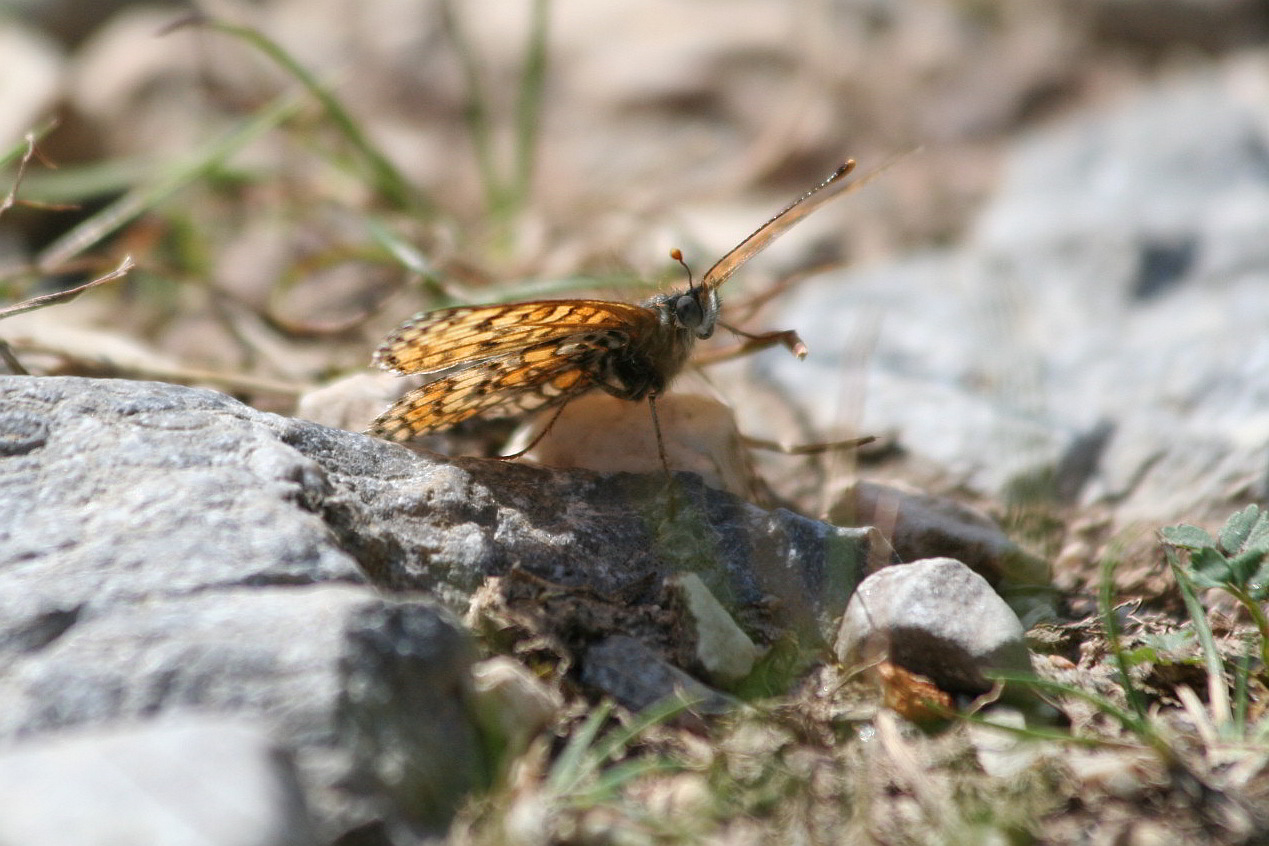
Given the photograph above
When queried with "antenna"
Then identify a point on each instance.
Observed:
(677, 255)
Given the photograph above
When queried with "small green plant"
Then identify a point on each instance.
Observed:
(1236, 562)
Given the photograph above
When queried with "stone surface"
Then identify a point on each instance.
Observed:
(271, 655)
(601, 432)
(163, 551)
(920, 525)
(723, 651)
(1099, 338)
(512, 704)
(637, 677)
(282, 500)
(936, 618)
(167, 550)
(403, 711)
(196, 781)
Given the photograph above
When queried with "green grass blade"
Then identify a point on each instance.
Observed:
(656, 713)
(1242, 694)
(19, 148)
(611, 780)
(77, 183)
(143, 198)
(1136, 723)
(1106, 606)
(475, 112)
(1217, 691)
(571, 767)
(529, 106)
(388, 181)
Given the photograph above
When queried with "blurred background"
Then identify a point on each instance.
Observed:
(1061, 295)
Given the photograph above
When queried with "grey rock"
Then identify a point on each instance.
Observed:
(723, 651)
(201, 782)
(405, 675)
(444, 525)
(937, 618)
(105, 477)
(163, 551)
(116, 491)
(293, 660)
(167, 550)
(637, 677)
(921, 525)
(1100, 336)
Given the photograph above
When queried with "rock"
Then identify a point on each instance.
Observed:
(936, 618)
(403, 710)
(234, 651)
(162, 550)
(512, 704)
(1000, 752)
(1103, 321)
(203, 781)
(637, 677)
(723, 651)
(601, 432)
(284, 500)
(921, 525)
(166, 549)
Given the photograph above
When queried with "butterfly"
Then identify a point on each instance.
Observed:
(508, 360)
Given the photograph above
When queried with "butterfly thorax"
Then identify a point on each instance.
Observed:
(651, 359)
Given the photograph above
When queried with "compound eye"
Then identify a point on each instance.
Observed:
(688, 312)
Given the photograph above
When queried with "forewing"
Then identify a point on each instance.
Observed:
(453, 337)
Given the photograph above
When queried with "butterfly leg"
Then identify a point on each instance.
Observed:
(787, 338)
(671, 487)
(656, 428)
(539, 436)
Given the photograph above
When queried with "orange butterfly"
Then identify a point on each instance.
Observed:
(516, 358)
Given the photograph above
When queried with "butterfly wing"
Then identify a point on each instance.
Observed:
(451, 337)
(509, 360)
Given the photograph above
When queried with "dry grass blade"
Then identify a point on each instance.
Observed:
(806, 449)
(71, 293)
(11, 360)
(11, 198)
(157, 372)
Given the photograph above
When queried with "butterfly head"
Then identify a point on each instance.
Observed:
(694, 310)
